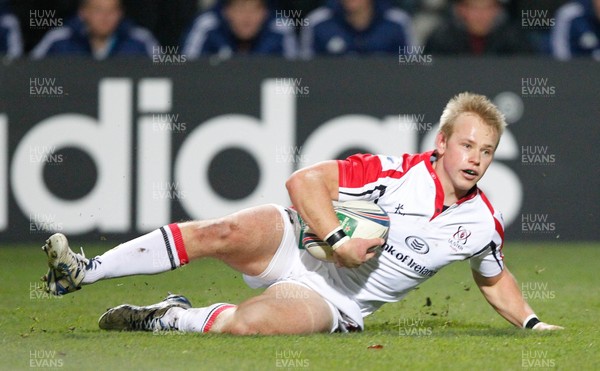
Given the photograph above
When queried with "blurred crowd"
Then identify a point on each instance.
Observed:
(299, 29)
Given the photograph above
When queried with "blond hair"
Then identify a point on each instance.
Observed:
(476, 104)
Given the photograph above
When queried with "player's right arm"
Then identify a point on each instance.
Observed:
(311, 191)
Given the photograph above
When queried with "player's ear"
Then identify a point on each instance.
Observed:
(440, 143)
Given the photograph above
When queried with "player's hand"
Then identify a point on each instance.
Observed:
(355, 251)
(542, 326)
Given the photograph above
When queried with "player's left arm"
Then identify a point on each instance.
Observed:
(311, 191)
(504, 295)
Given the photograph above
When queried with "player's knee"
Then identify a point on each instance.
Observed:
(217, 232)
(225, 229)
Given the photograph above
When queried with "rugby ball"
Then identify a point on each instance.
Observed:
(362, 219)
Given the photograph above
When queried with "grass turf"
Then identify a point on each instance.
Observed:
(445, 324)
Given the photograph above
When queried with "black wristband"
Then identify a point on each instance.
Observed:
(532, 322)
(335, 237)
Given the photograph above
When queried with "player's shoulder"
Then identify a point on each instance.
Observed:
(385, 165)
(489, 210)
(486, 201)
(411, 159)
(403, 162)
(370, 159)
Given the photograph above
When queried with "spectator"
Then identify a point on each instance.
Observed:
(478, 27)
(239, 27)
(100, 30)
(356, 27)
(11, 43)
(577, 30)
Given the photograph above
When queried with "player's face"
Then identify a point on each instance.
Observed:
(245, 18)
(101, 16)
(466, 154)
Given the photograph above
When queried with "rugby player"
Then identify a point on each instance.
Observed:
(438, 215)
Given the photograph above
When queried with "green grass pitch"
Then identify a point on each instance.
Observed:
(445, 324)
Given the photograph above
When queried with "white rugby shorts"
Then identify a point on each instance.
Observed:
(293, 265)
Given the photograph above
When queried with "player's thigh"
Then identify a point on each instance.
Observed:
(285, 308)
(246, 240)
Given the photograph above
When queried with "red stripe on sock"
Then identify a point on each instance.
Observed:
(214, 315)
(179, 246)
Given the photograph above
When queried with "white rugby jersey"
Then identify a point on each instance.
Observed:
(423, 237)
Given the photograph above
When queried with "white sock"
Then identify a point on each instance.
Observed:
(171, 317)
(155, 252)
(200, 319)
